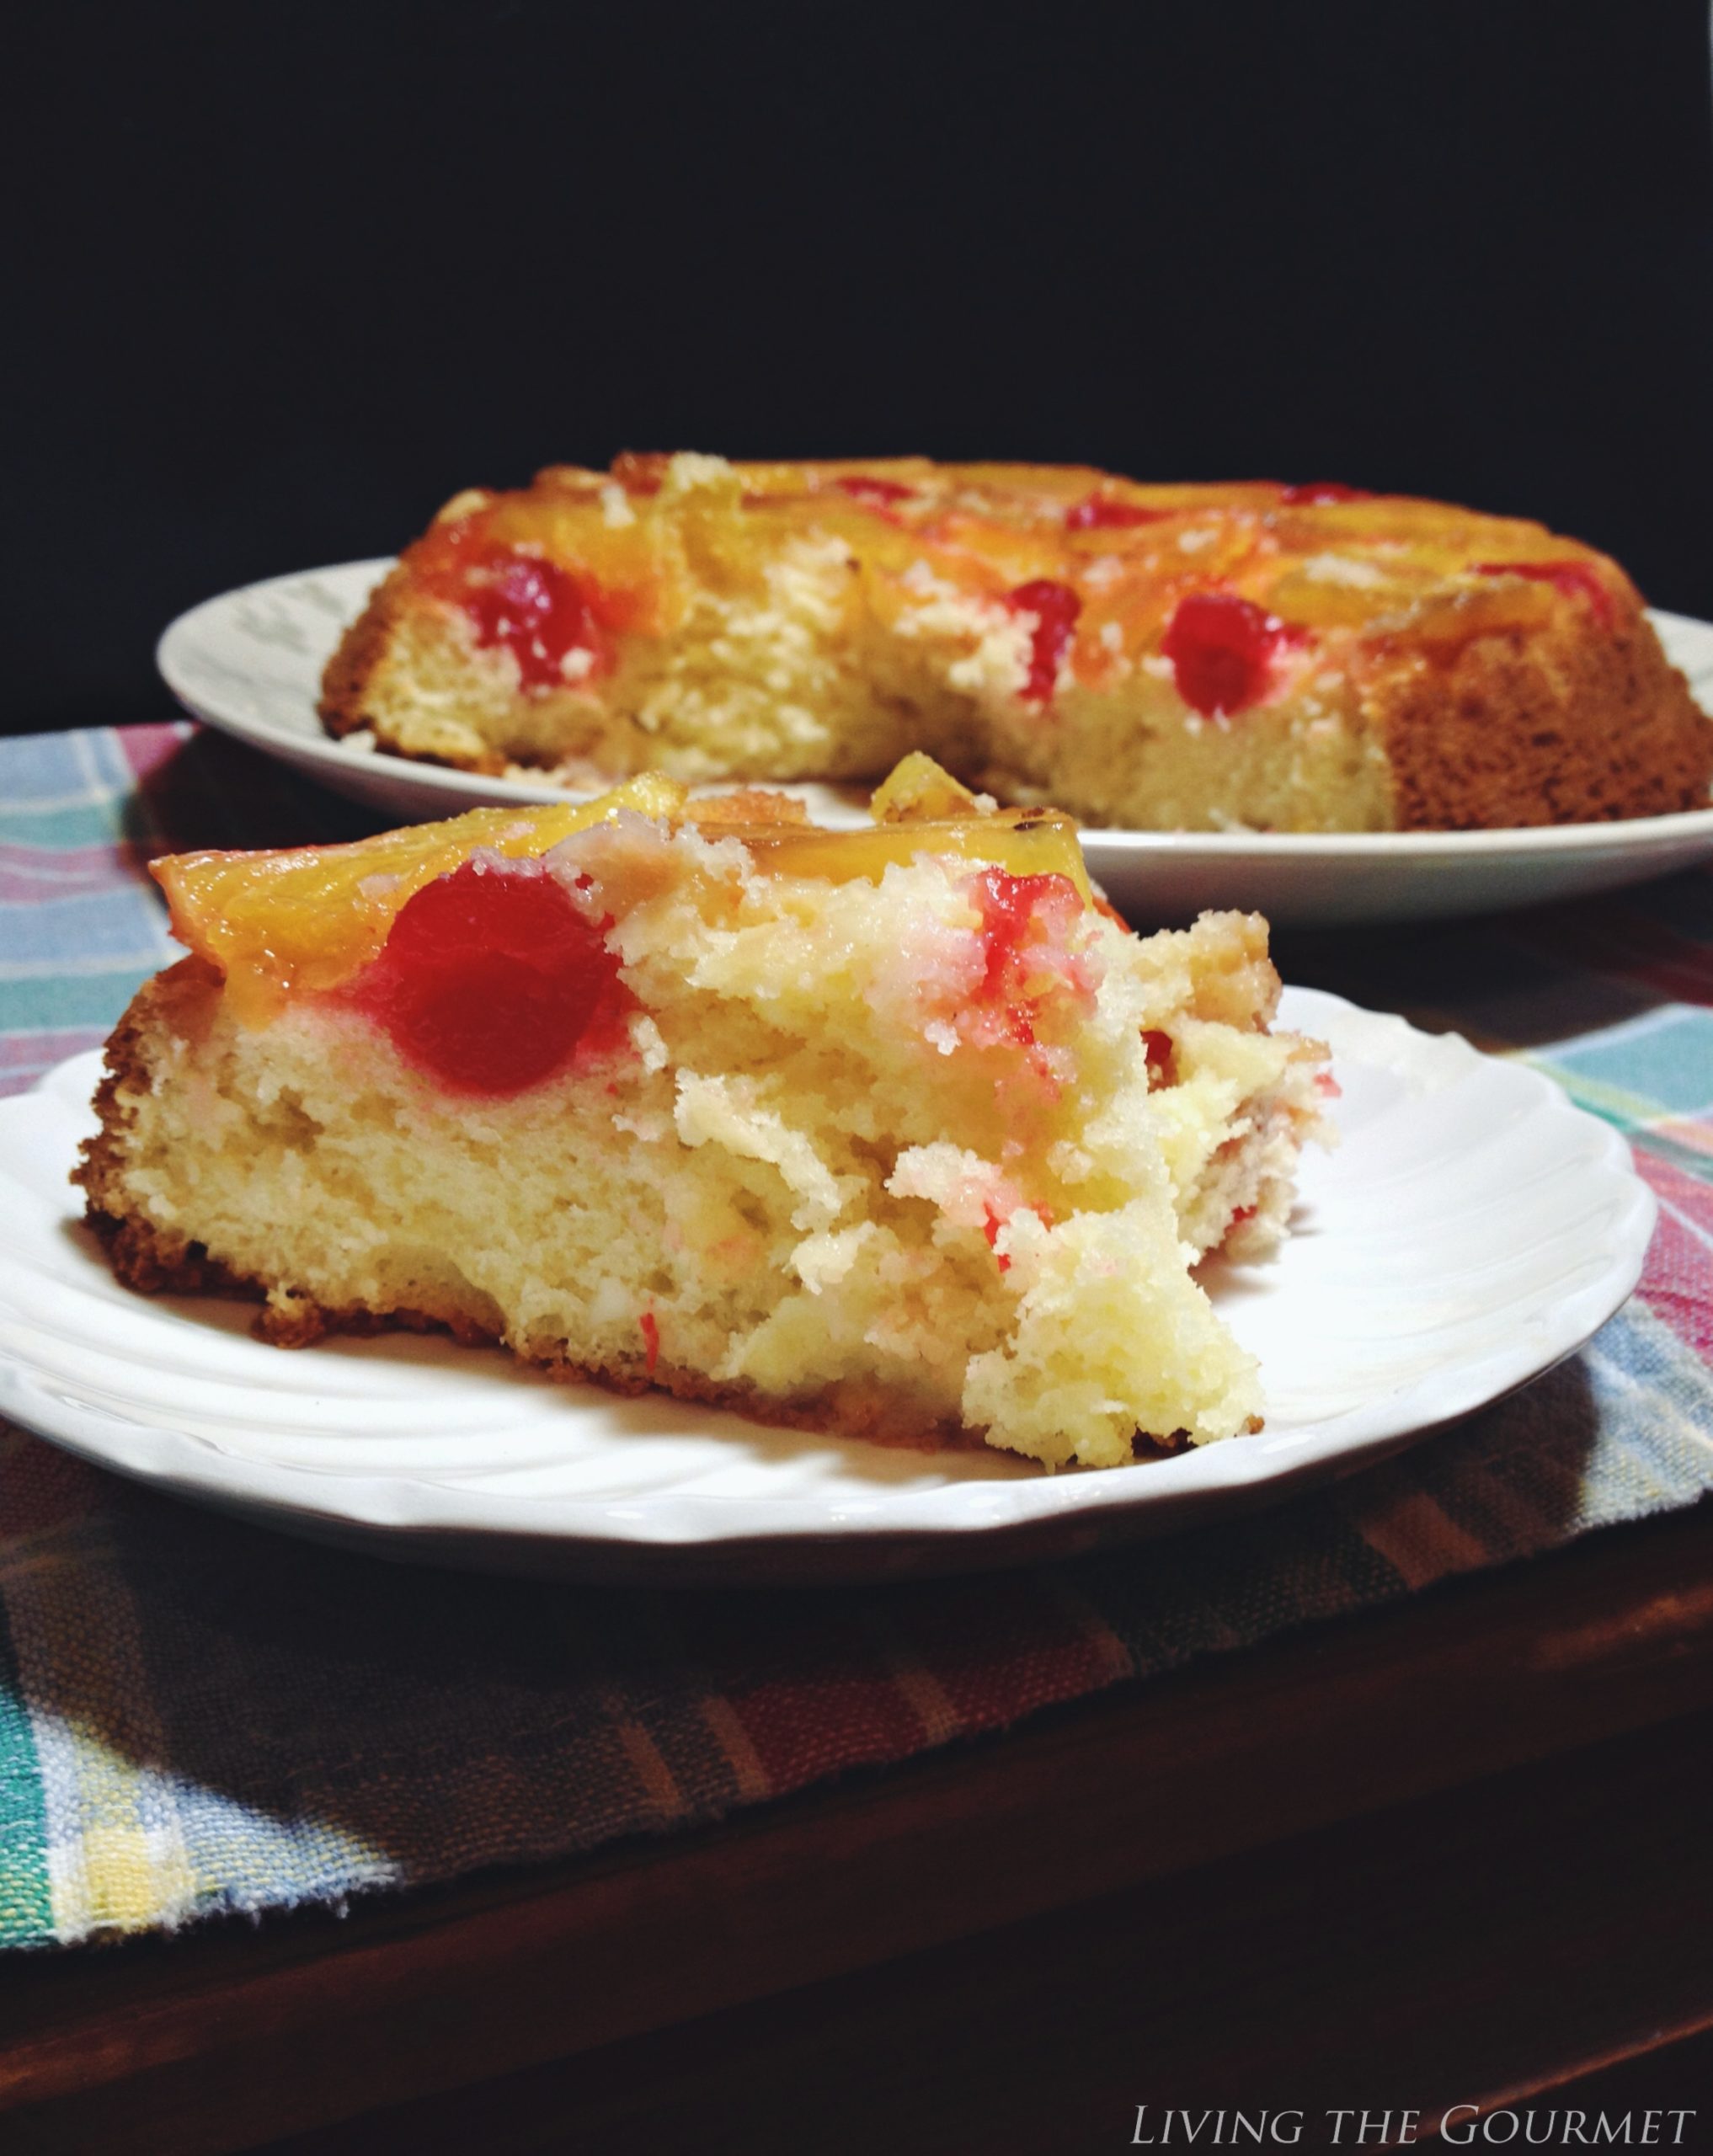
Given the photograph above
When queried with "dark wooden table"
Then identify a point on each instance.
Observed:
(1453, 1852)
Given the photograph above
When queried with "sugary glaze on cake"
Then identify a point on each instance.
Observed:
(1202, 657)
(892, 1132)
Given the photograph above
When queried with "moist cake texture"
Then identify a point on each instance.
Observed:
(1306, 659)
(895, 1132)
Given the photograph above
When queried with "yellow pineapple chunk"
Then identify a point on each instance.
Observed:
(310, 916)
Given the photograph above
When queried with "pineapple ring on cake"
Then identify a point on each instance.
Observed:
(1292, 659)
(894, 1132)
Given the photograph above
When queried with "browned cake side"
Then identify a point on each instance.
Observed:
(1560, 727)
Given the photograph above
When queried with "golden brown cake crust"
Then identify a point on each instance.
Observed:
(346, 679)
(101, 1170)
(350, 673)
(1559, 729)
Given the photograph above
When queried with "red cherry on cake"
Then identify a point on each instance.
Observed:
(1222, 650)
(1055, 607)
(537, 611)
(876, 493)
(492, 981)
(1023, 923)
(1098, 513)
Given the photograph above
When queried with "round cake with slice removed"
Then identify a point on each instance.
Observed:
(895, 1132)
(1292, 659)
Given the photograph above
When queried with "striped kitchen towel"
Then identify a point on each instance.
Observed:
(200, 1717)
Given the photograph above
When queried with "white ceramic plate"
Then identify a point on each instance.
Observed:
(250, 662)
(1472, 1229)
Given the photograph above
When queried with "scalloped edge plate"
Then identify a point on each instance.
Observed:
(1472, 1229)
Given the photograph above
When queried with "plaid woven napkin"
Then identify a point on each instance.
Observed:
(198, 1716)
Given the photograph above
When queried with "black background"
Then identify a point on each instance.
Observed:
(284, 277)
